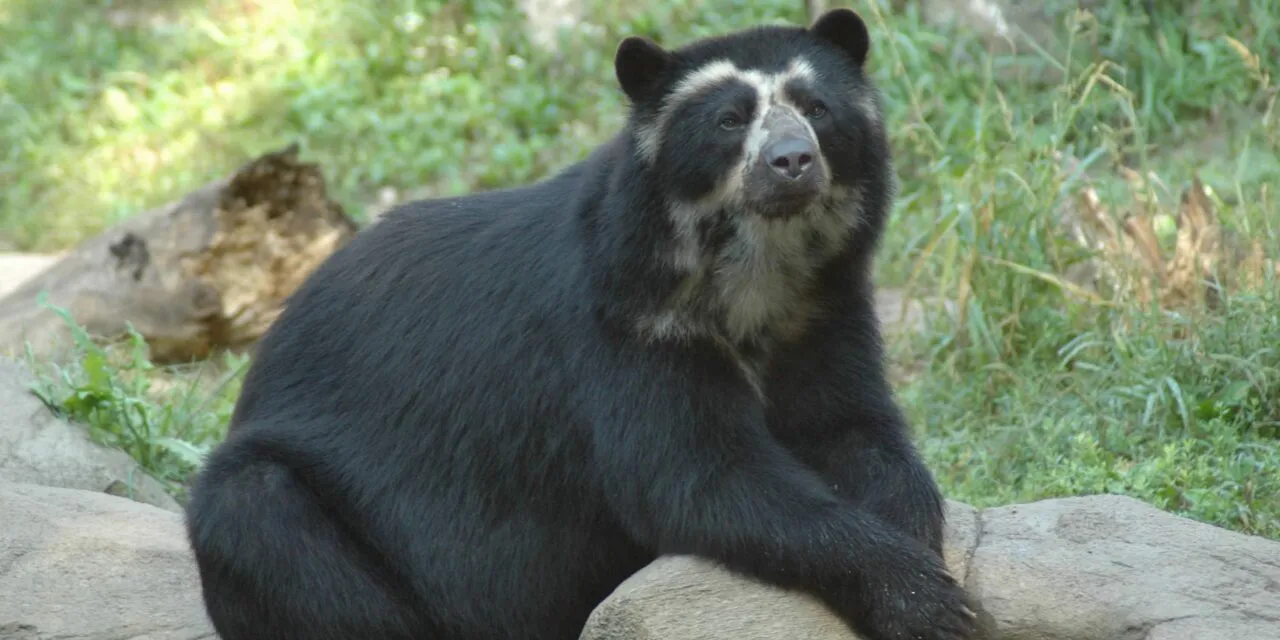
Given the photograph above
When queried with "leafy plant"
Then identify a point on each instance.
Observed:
(113, 390)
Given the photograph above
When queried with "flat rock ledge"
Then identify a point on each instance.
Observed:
(86, 565)
(77, 564)
(1088, 568)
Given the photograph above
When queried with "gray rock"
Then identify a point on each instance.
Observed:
(962, 532)
(1090, 568)
(1112, 567)
(688, 598)
(37, 448)
(80, 565)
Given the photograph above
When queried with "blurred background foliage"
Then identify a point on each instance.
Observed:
(1020, 392)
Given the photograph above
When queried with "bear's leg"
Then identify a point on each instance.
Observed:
(887, 478)
(832, 406)
(275, 565)
(727, 490)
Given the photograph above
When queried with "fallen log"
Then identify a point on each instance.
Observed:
(206, 273)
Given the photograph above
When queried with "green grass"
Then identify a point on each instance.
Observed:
(1026, 394)
(167, 418)
(1192, 426)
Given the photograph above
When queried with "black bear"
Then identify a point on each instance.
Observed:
(483, 413)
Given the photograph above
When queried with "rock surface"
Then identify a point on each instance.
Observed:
(1090, 568)
(85, 565)
(687, 598)
(38, 448)
(1114, 567)
(79, 565)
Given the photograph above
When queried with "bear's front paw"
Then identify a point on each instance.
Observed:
(915, 598)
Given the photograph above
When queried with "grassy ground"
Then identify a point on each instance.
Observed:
(1026, 395)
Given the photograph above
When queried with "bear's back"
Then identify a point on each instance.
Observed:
(452, 289)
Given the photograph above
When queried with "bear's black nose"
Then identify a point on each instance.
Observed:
(790, 157)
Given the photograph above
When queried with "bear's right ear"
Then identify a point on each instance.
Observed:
(845, 29)
(640, 65)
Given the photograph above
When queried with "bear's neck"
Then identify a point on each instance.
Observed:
(675, 273)
(744, 278)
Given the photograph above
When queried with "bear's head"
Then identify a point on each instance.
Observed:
(775, 121)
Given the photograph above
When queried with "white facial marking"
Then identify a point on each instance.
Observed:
(770, 92)
(705, 77)
(686, 255)
(752, 288)
(650, 138)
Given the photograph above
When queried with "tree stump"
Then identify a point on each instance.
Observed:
(206, 273)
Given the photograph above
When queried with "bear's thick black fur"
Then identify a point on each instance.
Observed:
(477, 418)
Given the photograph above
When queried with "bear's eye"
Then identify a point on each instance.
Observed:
(730, 121)
(816, 110)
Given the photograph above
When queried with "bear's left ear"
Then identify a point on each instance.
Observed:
(640, 65)
(845, 29)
